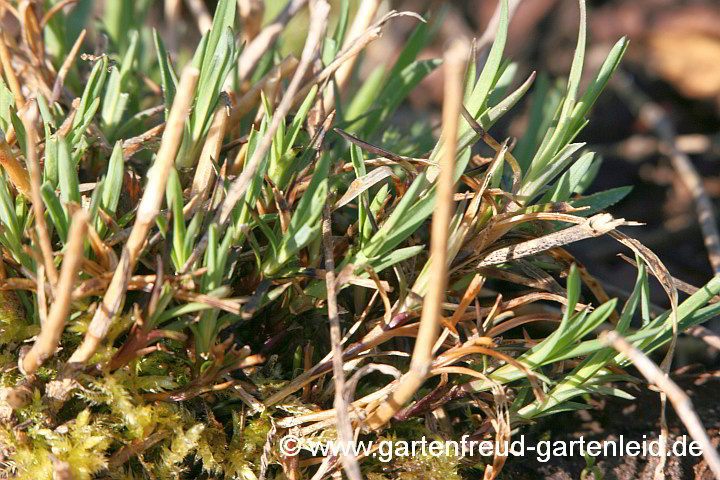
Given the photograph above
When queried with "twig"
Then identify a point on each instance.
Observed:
(47, 341)
(344, 426)
(238, 188)
(264, 40)
(679, 399)
(455, 60)
(147, 211)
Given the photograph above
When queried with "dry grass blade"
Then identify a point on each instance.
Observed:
(679, 399)
(344, 427)
(65, 68)
(49, 337)
(455, 59)
(363, 183)
(594, 226)
(6, 5)
(318, 26)
(147, 211)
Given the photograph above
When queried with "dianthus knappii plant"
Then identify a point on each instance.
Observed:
(198, 261)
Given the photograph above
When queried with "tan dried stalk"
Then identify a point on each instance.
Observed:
(344, 426)
(145, 219)
(679, 399)
(455, 60)
(205, 171)
(47, 342)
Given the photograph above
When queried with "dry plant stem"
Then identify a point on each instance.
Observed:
(47, 341)
(205, 171)
(38, 205)
(65, 68)
(318, 25)
(10, 73)
(201, 14)
(147, 211)
(264, 40)
(363, 19)
(679, 399)
(455, 59)
(344, 427)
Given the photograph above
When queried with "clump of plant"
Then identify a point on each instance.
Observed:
(199, 259)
